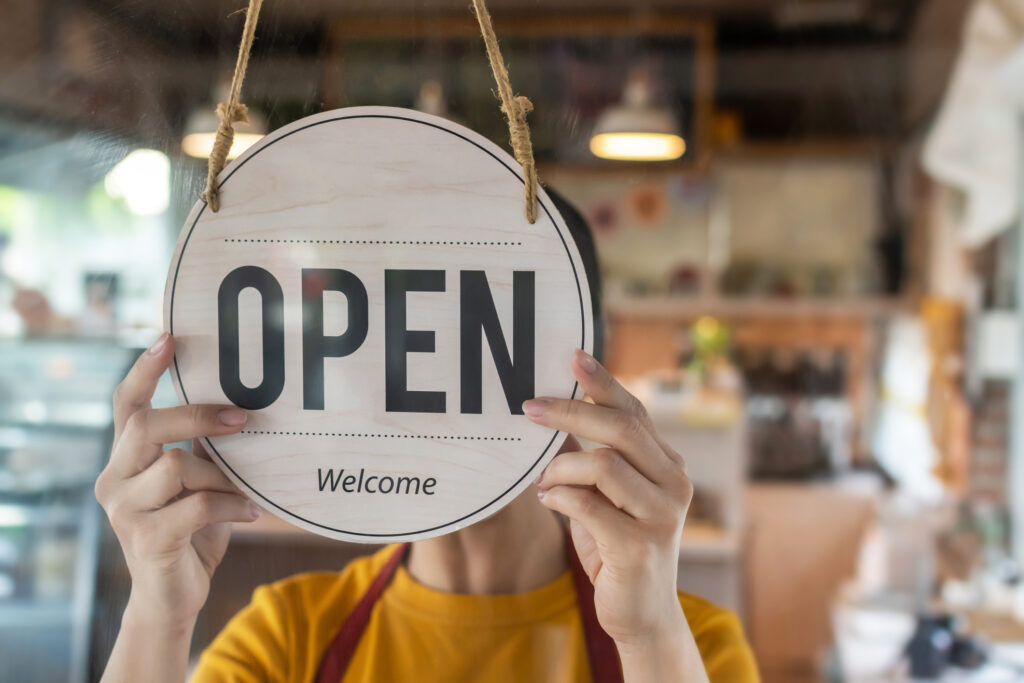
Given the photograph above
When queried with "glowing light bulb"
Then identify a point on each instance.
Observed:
(143, 180)
(638, 146)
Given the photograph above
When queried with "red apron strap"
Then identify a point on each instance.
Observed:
(601, 650)
(339, 653)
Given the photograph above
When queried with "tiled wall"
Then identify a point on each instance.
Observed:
(990, 443)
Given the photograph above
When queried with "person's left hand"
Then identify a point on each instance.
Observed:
(626, 503)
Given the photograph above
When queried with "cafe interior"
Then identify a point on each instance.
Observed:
(807, 215)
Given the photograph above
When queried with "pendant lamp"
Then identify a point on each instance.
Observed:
(635, 129)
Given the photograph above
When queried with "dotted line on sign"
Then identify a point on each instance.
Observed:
(383, 436)
(383, 242)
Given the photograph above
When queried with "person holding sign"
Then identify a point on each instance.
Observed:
(517, 596)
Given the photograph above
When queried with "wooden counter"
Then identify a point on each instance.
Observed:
(803, 543)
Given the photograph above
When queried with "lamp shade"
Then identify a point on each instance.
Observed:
(637, 131)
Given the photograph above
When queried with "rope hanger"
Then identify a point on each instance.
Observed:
(231, 112)
(515, 107)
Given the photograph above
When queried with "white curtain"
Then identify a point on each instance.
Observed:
(974, 145)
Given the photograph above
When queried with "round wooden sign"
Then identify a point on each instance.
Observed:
(372, 294)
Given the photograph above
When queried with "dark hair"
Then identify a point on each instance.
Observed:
(584, 238)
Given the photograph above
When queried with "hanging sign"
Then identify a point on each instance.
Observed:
(372, 294)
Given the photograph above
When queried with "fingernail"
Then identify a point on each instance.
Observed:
(536, 407)
(159, 344)
(541, 494)
(539, 479)
(254, 510)
(232, 417)
(586, 361)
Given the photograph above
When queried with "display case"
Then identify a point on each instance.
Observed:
(55, 428)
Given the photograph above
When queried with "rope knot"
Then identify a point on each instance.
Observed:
(519, 131)
(232, 111)
(240, 115)
(229, 116)
(522, 150)
(515, 107)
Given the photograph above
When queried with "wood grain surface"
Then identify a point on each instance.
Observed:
(369, 190)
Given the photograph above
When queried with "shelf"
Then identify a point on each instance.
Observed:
(15, 515)
(93, 416)
(707, 542)
(271, 527)
(23, 614)
(809, 149)
(669, 307)
(700, 541)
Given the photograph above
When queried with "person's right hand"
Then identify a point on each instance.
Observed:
(171, 510)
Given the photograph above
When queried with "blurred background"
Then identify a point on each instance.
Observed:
(812, 265)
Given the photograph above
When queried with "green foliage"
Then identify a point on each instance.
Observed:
(8, 209)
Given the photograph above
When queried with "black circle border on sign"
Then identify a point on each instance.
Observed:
(579, 294)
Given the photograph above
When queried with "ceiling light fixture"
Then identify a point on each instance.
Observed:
(635, 130)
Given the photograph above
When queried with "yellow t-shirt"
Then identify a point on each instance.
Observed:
(419, 634)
